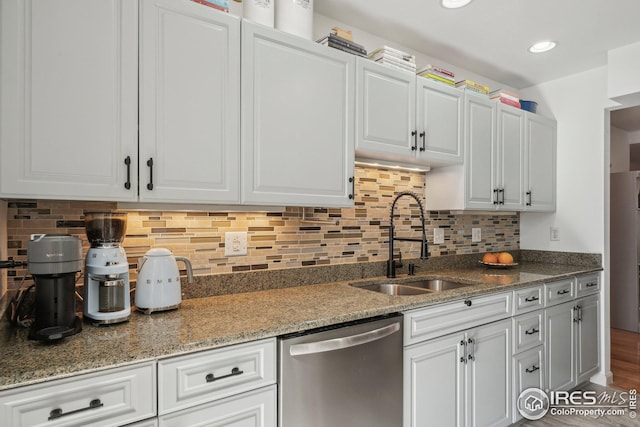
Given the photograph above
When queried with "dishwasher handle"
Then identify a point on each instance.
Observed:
(343, 342)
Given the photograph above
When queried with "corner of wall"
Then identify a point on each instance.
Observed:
(3, 245)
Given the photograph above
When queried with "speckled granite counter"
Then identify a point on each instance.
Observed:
(204, 323)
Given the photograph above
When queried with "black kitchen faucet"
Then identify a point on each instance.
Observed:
(424, 250)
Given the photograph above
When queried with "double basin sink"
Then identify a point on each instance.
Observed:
(415, 287)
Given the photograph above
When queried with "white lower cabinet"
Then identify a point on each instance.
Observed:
(463, 378)
(111, 398)
(572, 342)
(256, 408)
(528, 372)
(230, 386)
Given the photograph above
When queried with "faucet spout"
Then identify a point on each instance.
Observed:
(424, 249)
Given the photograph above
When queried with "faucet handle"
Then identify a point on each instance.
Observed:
(398, 263)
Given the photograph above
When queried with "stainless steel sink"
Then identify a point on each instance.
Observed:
(415, 287)
(395, 289)
(435, 284)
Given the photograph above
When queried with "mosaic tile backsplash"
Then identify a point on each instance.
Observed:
(277, 240)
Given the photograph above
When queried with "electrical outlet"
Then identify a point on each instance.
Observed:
(438, 236)
(554, 234)
(235, 243)
(476, 234)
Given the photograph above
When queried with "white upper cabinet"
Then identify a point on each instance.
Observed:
(540, 164)
(440, 122)
(69, 105)
(509, 162)
(297, 120)
(404, 118)
(189, 103)
(385, 112)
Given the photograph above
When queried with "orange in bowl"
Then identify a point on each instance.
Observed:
(490, 258)
(505, 258)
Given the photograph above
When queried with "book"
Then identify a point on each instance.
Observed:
(505, 93)
(469, 84)
(346, 49)
(433, 72)
(505, 96)
(345, 34)
(439, 78)
(437, 70)
(394, 52)
(346, 43)
(381, 56)
(397, 62)
(508, 101)
(222, 5)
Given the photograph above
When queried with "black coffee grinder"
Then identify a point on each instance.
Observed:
(53, 261)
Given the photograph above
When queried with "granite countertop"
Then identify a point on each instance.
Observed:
(210, 322)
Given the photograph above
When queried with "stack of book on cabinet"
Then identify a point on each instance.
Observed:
(222, 5)
(505, 97)
(473, 87)
(343, 40)
(438, 74)
(394, 58)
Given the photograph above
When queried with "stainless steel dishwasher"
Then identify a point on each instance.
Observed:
(349, 375)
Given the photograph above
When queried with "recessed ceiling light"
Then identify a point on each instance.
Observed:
(454, 4)
(542, 46)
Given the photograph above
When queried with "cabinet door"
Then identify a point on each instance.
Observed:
(385, 112)
(480, 148)
(510, 157)
(588, 356)
(189, 103)
(69, 105)
(440, 116)
(540, 164)
(528, 372)
(433, 382)
(488, 387)
(560, 351)
(297, 120)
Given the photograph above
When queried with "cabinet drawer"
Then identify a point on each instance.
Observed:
(109, 398)
(588, 284)
(560, 291)
(203, 377)
(528, 331)
(528, 299)
(431, 322)
(253, 408)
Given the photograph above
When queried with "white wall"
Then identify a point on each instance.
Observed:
(580, 115)
(3, 245)
(623, 84)
(619, 150)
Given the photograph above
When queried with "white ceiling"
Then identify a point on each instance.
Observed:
(491, 37)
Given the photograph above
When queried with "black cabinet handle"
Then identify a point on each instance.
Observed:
(564, 291)
(463, 359)
(423, 136)
(150, 164)
(532, 331)
(127, 161)
(531, 299)
(495, 196)
(468, 302)
(472, 352)
(57, 413)
(532, 369)
(501, 193)
(414, 146)
(528, 193)
(235, 371)
(352, 180)
(592, 284)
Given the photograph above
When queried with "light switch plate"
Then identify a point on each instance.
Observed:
(438, 235)
(554, 234)
(476, 234)
(235, 243)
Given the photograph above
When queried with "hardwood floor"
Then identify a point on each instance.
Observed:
(625, 359)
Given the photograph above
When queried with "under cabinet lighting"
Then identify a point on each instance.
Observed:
(542, 46)
(455, 4)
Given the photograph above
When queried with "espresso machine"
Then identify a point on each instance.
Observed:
(53, 261)
(106, 274)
